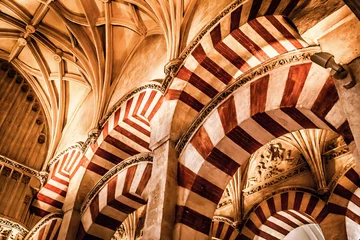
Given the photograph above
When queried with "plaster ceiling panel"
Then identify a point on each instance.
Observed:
(7, 44)
(203, 13)
(76, 94)
(27, 57)
(146, 64)
(29, 5)
(73, 6)
(147, 20)
(71, 68)
(124, 41)
(49, 56)
(120, 9)
(100, 5)
(43, 84)
(55, 22)
(7, 11)
(6, 25)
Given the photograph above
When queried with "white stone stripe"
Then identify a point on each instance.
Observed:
(240, 50)
(259, 41)
(232, 150)
(271, 231)
(246, 7)
(256, 131)
(102, 162)
(336, 116)
(52, 195)
(137, 177)
(217, 177)
(153, 104)
(276, 33)
(242, 103)
(280, 223)
(44, 206)
(114, 213)
(140, 123)
(120, 183)
(191, 159)
(276, 88)
(291, 218)
(214, 128)
(128, 141)
(144, 101)
(114, 150)
(57, 184)
(135, 131)
(315, 81)
(129, 202)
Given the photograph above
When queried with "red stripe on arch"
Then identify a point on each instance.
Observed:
(247, 43)
(258, 94)
(280, 27)
(294, 84)
(267, 36)
(193, 219)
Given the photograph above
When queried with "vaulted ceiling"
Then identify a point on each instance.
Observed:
(68, 50)
(95, 51)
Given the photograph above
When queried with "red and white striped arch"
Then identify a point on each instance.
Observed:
(287, 99)
(52, 195)
(277, 216)
(345, 200)
(47, 228)
(120, 196)
(224, 230)
(253, 33)
(126, 132)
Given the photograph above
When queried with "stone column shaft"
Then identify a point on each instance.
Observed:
(160, 213)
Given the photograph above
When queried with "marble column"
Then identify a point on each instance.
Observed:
(160, 213)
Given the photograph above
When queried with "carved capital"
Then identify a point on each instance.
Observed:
(172, 67)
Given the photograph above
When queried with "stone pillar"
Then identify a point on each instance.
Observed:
(350, 100)
(160, 213)
(71, 220)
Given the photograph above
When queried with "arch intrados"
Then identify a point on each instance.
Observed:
(293, 208)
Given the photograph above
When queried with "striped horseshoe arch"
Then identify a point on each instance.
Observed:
(52, 195)
(119, 193)
(125, 133)
(253, 33)
(287, 99)
(224, 229)
(47, 228)
(345, 199)
(275, 217)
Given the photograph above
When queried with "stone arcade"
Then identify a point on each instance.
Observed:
(179, 119)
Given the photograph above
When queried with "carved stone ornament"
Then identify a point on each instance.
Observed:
(77, 145)
(272, 164)
(41, 176)
(335, 148)
(10, 230)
